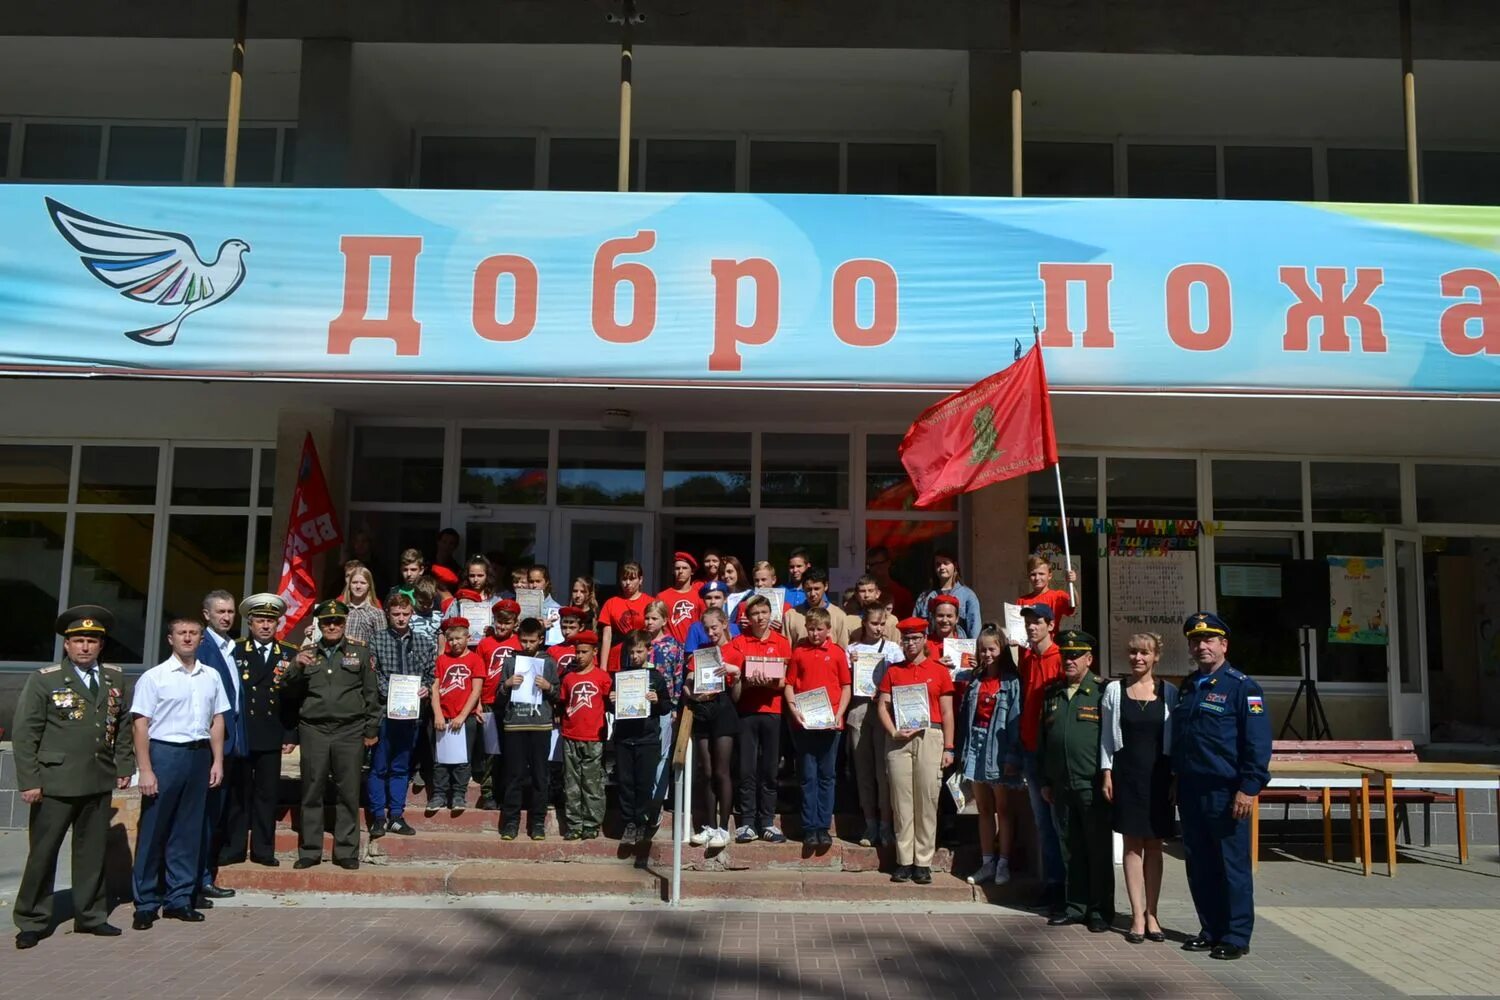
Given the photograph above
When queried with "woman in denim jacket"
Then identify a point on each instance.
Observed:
(989, 752)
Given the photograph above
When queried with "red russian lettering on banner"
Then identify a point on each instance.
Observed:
(1333, 308)
(729, 332)
(609, 274)
(523, 300)
(400, 323)
(885, 290)
(1219, 318)
(1056, 330)
(1454, 324)
(312, 527)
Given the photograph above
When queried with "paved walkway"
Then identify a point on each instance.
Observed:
(1323, 931)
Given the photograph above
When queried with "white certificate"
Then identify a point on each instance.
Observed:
(1015, 625)
(958, 789)
(817, 713)
(533, 604)
(960, 653)
(479, 615)
(708, 670)
(910, 706)
(401, 699)
(528, 668)
(777, 597)
(452, 747)
(631, 687)
(866, 665)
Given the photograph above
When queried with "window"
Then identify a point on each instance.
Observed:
(797, 167)
(1069, 169)
(266, 494)
(387, 533)
(1369, 175)
(4, 147)
(804, 471)
(1347, 661)
(204, 552)
(55, 152)
(31, 561)
(110, 474)
(146, 153)
(912, 545)
(589, 165)
(255, 163)
(1279, 173)
(1457, 494)
(217, 477)
(35, 473)
(1080, 477)
(111, 566)
(288, 155)
(690, 165)
(1460, 177)
(892, 168)
(1250, 592)
(401, 464)
(1152, 487)
(886, 484)
(1356, 493)
(601, 468)
(503, 466)
(491, 163)
(1172, 171)
(1257, 491)
(705, 469)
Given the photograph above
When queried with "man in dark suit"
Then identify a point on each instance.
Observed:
(70, 755)
(224, 810)
(270, 728)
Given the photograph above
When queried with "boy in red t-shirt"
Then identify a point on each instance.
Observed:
(584, 698)
(759, 699)
(684, 603)
(460, 674)
(570, 621)
(496, 650)
(818, 664)
(622, 614)
(1039, 575)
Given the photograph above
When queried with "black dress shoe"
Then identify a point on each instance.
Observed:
(903, 873)
(203, 904)
(213, 891)
(348, 864)
(1199, 943)
(1226, 952)
(1098, 925)
(184, 913)
(99, 930)
(266, 862)
(1156, 937)
(921, 875)
(142, 921)
(826, 838)
(28, 939)
(1134, 938)
(302, 864)
(1063, 920)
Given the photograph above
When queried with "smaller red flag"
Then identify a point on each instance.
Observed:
(312, 528)
(994, 430)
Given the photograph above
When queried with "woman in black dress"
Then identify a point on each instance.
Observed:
(1135, 742)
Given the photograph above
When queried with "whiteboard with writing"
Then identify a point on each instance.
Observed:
(1150, 592)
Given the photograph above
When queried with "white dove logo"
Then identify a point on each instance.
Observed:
(161, 268)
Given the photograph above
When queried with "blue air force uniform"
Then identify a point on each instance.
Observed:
(1221, 745)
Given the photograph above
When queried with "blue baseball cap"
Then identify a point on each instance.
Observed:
(714, 587)
(1042, 611)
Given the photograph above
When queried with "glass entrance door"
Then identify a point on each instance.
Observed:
(824, 534)
(1406, 651)
(595, 543)
(509, 541)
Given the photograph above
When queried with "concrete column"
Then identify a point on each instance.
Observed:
(330, 434)
(993, 74)
(325, 113)
(997, 545)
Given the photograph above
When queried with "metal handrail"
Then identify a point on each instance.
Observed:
(682, 820)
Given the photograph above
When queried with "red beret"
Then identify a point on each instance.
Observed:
(455, 623)
(585, 638)
(686, 557)
(506, 605)
(941, 599)
(571, 612)
(465, 594)
(912, 625)
(442, 574)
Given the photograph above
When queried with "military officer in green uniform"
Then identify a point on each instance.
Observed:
(1069, 752)
(338, 716)
(69, 757)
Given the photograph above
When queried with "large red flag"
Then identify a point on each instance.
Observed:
(313, 527)
(994, 430)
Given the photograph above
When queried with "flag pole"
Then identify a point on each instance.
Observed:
(1062, 507)
(236, 89)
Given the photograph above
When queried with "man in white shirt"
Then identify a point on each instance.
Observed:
(179, 708)
(225, 811)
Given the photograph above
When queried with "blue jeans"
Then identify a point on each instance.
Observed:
(1046, 829)
(169, 841)
(818, 755)
(390, 768)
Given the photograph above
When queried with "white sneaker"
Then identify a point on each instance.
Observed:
(719, 838)
(985, 873)
(1002, 871)
(701, 837)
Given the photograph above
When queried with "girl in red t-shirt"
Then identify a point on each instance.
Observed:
(460, 675)
(622, 614)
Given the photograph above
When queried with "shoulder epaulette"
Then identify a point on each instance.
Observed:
(50, 670)
(1235, 674)
(112, 666)
(355, 642)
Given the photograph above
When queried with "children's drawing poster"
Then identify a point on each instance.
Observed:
(1356, 600)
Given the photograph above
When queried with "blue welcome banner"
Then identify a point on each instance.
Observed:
(747, 289)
